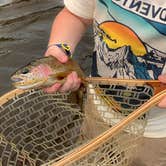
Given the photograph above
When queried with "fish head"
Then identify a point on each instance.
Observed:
(44, 72)
(31, 76)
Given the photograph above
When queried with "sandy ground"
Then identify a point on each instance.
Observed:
(25, 38)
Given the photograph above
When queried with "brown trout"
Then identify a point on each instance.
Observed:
(44, 72)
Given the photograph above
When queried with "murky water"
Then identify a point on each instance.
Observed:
(24, 33)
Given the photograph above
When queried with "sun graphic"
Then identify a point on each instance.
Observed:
(116, 35)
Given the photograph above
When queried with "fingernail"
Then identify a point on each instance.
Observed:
(162, 104)
(47, 91)
(162, 77)
(63, 58)
(62, 90)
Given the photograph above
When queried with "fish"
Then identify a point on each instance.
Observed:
(44, 72)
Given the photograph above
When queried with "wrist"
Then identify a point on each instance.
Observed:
(64, 47)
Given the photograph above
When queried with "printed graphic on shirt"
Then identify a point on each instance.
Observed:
(129, 46)
(144, 9)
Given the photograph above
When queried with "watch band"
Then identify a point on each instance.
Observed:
(64, 47)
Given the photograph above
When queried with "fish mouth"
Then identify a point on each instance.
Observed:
(15, 79)
(27, 85)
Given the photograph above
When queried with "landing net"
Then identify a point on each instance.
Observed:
(37, 128)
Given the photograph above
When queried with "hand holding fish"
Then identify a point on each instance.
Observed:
(53, 73)
(72, 82)
(60, 73)
(162, 78)
(58, 53)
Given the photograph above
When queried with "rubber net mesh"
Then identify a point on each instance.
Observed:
(40, 129)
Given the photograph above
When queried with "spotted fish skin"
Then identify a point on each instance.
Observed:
(44, 72)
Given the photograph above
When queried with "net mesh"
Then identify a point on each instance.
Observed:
(40, 129)
(37, 127)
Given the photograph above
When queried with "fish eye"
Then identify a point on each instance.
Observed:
(25, 71)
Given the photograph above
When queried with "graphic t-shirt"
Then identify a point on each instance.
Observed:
(130, 37)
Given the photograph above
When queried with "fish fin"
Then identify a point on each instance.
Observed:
(52, 81)
(60, 76)
(42, 60)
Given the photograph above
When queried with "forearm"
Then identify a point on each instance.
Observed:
(68, 28)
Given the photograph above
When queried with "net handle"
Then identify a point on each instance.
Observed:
(83, 150)
(155, 84)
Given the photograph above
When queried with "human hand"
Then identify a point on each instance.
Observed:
(72, 81)
(162, 103)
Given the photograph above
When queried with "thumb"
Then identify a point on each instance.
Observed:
(57, 53)
(162, 78)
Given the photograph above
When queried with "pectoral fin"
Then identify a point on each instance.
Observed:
(59, 77)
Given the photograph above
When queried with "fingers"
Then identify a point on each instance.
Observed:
(162, 78)
(57, 53)
(72, 83)
(53, 88)
(162, 104)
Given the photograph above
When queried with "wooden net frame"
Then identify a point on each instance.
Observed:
(52, 129)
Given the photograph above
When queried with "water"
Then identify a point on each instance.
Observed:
(22, 39)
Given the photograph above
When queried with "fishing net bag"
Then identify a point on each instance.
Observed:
(40, 129)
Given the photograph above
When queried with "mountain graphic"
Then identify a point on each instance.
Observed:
(122, 63)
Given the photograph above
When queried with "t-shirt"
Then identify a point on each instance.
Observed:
(130, 42)
(130, 36)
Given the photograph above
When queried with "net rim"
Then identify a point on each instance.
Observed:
(12, 93)
(9, 95)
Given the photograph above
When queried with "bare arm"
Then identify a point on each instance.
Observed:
(67, 28)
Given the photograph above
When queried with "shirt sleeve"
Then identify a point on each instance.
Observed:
(82, 8)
